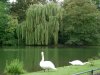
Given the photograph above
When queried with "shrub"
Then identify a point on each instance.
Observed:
(14, 67)
(91, 62)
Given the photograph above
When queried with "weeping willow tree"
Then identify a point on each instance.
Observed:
(42, 24)
(20, 30)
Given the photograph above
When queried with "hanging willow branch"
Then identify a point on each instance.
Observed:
(42, 24)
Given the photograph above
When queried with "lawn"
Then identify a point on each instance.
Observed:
(69, 70)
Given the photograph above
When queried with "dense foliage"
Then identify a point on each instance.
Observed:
(97, 2)
(3, 22)
(19, 8)
(3, 0)
(81, 23)
(37, 22)
(11, 37)
(7, 26)
(42, 24)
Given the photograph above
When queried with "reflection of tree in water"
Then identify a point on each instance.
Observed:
(99, 53)
(53, 56)
(2, 60)
(31, 56)
(59, 56)
(70, 54)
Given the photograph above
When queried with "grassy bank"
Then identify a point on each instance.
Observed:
(69, 70)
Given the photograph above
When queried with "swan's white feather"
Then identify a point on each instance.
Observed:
(78, 62)
(46, 64)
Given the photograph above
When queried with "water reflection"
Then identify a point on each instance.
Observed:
(59, 56)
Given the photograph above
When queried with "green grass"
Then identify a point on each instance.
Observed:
(68, 70)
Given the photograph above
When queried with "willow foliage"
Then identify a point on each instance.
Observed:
(42, 24)
(21, 32)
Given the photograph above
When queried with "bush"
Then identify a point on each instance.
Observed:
(14, 67)
(91, 62)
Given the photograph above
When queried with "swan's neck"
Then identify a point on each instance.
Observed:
(42, 57)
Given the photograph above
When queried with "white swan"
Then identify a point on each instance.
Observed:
(78, 62)
(46, 64)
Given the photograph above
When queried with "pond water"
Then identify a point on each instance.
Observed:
(59, 56)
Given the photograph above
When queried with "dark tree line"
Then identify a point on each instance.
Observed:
(79, 24)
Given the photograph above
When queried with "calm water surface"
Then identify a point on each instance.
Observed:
(59, 56)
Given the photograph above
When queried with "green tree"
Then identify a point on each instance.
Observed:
(3, 22)
(3, 0)
(19, 8)
(81, 23)
(42, 24)
(11, 36)
(7, 26)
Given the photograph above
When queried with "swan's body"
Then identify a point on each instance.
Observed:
(46, 64)
(78, 62)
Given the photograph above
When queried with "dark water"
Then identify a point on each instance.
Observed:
(59, 56)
